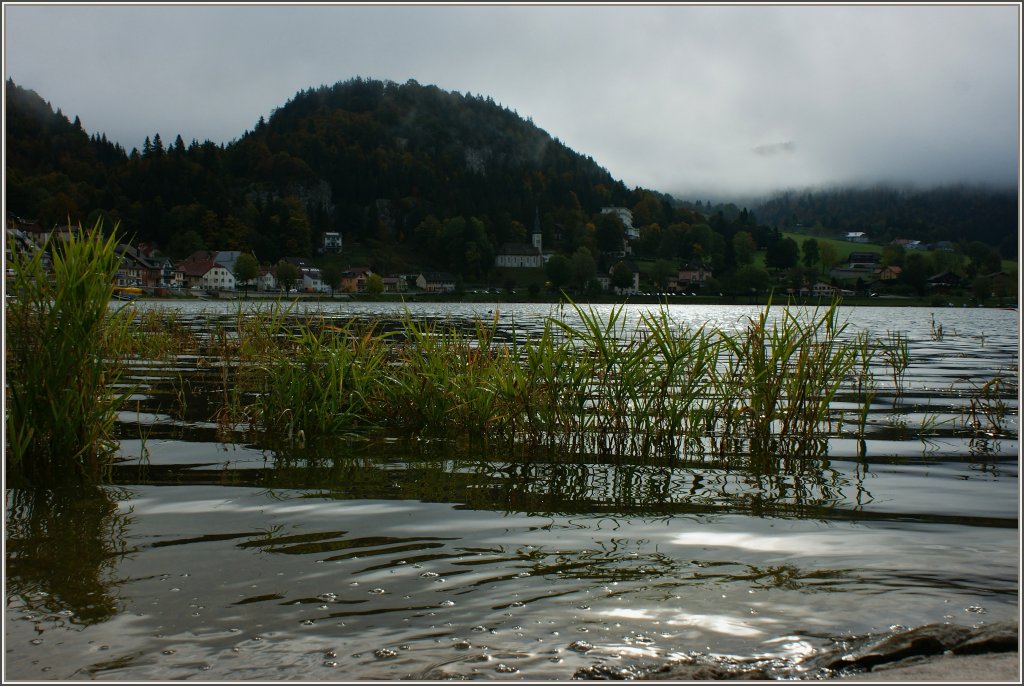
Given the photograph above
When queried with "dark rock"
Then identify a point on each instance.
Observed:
(610, 673)
(990, 638)
(697, 671)
(928, 640)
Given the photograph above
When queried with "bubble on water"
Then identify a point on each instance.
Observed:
(447, 603)
(328, 597)
(330, 663)
(976, 609)
(195, 614)
(168, 652)
(428, 575)
(505, 669)
(523, 574)
(404, 646)
(36, 641)
(555, 659)
(439, 581)
(307, 622)
(582, 629)
(377, 591)
(462, 645)
(517, 603)
(175, 589)
(582, 607)
(322, 607)
(205, 668)
(401, 562)
(330, 654)
(354, 583)
(385, 653)
(581, 646)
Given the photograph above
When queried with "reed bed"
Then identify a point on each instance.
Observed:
(64, 350)
(597, 386)
(591, 384)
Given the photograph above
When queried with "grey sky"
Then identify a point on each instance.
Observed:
(690, 100)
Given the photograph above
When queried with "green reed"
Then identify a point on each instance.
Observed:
(596, 385)
(63, 350)
(895, 351)
(780, 378)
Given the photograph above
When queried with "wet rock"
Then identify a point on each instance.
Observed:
(991, 638)
(619, 673)
(702, 672)
(930, 640)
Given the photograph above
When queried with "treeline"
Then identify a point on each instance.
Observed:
(439, 178)
(370, 159)
(885, 213)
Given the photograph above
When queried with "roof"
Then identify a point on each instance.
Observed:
(518, 249)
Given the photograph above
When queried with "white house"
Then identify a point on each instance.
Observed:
(625, 216)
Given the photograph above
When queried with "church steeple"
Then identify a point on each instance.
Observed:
(537, 234)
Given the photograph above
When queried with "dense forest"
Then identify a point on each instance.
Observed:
(885, 213)
(440, 177)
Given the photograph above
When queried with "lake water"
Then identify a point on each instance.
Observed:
(386, 558)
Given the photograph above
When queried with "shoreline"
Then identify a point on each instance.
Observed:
(501, 299)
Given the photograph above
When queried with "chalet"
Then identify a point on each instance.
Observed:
(605, 279)
(207, 275)
(890, 273)
(225, 258)
(436, 282)
(692, 275)
(331, 242)
(267, 280)
(944, 281)
(863, 260)
(137, 269)
(856, 237)
(353, 279)
(312, 278)
(909, 244)
(394, 284)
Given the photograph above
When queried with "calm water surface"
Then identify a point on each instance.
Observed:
(359, 558)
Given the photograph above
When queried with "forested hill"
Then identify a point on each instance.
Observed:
(441, 177)
(368, 158)
(885, 213)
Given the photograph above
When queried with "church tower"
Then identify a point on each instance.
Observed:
(537, 234)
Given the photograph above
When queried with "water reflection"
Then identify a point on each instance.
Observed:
(63, 550)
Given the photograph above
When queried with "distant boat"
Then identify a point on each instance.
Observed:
(126, 293)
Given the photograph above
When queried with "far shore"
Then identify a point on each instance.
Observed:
(522, 296)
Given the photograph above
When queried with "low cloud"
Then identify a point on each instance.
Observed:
(775, 149)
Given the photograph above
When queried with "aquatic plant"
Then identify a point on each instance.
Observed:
(64, 344)
(895, 351)
(586, 384)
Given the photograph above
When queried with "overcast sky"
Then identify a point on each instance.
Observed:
(697, 101)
